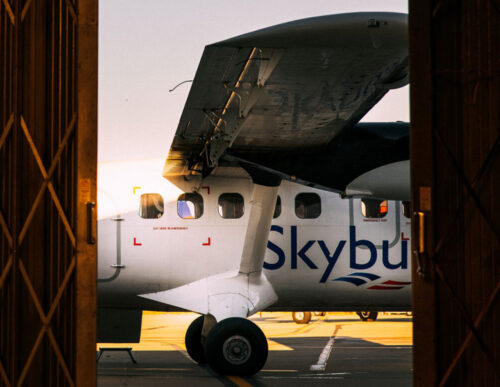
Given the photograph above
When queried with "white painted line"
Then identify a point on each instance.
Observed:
(326, 376)
(323, 358)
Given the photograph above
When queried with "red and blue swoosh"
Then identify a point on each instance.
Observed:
(359, 279)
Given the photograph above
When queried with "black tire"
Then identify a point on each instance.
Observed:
(193, 343)
(301, 317)
(367, 316)
(236, 346)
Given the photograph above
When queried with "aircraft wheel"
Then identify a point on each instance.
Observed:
(193, 343)
(367, 316)
(236, 346)
(301, 317)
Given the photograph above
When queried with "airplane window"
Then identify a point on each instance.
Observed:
(277, 209)
(374, 208)
(151, 206)
(231, 205)
(307, 205)
(190, 205)
(406, 209)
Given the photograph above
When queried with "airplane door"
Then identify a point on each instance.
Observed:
(376, 220)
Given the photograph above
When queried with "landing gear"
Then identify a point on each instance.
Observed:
(301, 317)
(236, 346)
(193, 342)
(320, 314)
(367, 316)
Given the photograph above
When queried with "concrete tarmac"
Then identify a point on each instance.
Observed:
(336, 349)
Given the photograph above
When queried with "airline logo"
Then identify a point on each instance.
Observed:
(332, 255)
(358, 279)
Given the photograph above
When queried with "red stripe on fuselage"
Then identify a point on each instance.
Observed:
(380, 287)
(390, 282)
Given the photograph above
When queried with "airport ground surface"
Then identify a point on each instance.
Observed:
(361, 353)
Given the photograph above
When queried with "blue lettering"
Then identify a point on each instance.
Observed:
(352, 249)
(332, 260)
(302, 252)
(403, 264)
(277, 250)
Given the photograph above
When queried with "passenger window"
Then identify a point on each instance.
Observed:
(277, 208)
(190, 205)
(231, 205)
(374, 208)
(406, 209)
(307, 205)
(151, 206)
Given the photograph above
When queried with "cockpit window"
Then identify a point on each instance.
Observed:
(231, 205)
(190, 205)
(307, 205)
(277, 208)
(374, 208)
(151, 206)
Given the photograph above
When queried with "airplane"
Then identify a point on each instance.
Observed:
(273, 195)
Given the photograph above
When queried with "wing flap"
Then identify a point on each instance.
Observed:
(291, 88)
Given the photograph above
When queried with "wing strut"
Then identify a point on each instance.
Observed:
(261, 215)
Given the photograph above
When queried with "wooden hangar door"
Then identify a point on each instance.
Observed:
(48, 136)
(455, 161)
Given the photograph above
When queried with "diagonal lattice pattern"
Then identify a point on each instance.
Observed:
(467, 159)
(455, 90)
(47, 184)
(37, 221)
(470, 198)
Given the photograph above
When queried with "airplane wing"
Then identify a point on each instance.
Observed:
(288, 100)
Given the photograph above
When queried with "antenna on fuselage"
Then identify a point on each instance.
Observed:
(176, 86)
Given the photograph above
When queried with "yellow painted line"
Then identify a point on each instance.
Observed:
(239, 381)
(391, 341)
(302, 329)
(176, 346)
(274, 346)
(279, 370)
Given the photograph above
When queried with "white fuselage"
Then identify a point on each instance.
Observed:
(340, 260)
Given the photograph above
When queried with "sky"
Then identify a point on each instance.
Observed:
(147, 47)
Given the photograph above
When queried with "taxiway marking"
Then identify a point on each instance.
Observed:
(325, 354)
(302, 329)
(239, 381)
